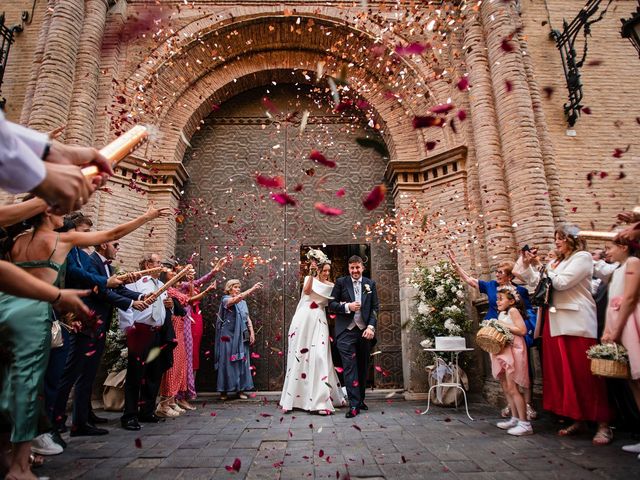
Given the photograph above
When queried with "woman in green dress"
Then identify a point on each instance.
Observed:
(26, 324)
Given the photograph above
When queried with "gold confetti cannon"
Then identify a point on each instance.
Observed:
(120, 148)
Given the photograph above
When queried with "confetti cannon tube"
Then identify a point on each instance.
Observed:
(166, 286)
(594, 235)
(120, 148)
(140, 273)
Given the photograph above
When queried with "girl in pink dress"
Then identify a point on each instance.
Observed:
(510, 366)
(623, 313)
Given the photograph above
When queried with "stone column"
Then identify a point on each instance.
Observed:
(523, 162)
(495, 202)
(546, 145)
(82, 113)
(54, 87)
(37, 63)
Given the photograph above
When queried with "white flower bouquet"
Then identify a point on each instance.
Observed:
(439, 302)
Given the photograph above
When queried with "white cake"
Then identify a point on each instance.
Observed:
(450, 343)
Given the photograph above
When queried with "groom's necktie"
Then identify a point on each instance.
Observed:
(357, 317)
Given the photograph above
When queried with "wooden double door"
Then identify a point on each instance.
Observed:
(224, 211)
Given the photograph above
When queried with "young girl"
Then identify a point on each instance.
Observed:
(510, 365)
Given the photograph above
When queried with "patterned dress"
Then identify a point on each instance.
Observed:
(174, 380)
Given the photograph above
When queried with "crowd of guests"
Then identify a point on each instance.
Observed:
(594, 297)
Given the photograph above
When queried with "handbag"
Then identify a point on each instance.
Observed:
(56, 334)
(113, 393)
(541, 296)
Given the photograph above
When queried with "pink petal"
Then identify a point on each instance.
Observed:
(443, 108)
(327, 210)
(270, 182)
(463, 84)
(340, 193)
(283, 199)
(427, 121)
(375, 197)
(318, 157)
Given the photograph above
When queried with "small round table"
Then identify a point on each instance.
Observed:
(437, 353)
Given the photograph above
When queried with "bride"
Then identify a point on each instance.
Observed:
(311, 383)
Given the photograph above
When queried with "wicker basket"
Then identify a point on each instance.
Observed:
(491, 340)
(609, 368)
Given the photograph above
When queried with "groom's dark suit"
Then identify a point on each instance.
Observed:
(354, 349)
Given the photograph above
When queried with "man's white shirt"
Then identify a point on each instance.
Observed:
(154, 315)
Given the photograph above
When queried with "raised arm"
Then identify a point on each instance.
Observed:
(12, 214)
(464, 276)
(87, 239)
(581, 267)
(308, 285)
(242, 295)
(202, 294)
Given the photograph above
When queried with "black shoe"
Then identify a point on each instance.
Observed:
(94, 419)
(131, 424)
(87, 431)
(55, 436)
(352, 413)
(363, 406)
(153, 418)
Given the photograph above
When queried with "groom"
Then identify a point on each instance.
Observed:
(355, 303)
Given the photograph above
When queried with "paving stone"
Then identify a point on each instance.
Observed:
(431, 447)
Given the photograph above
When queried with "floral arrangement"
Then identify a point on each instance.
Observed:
(609, 351)
(116, 352)
(440, 302)
(493, 323)
(317, 255)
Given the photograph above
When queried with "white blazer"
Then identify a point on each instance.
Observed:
(573, 310)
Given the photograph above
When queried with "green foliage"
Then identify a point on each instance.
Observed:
(440, 302)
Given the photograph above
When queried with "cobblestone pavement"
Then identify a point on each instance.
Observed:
(390, 441)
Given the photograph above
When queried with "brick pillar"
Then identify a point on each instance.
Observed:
(546, 144)
(495, 204)
(82, 112)
(523, 163)
(37, 63)
(53, 90)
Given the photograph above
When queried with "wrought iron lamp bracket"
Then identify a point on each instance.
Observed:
(565, 42)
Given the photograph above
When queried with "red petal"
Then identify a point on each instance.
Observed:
(237, 464)
(303, 375)
(508, 85)
(548, 91)
(506, 45)
(617, 153)
(304, 350)
(327, 210)
(430, 145)
(378, 368)
(283, 199)
(443, 108)
(313, 305)
(462, 115)
(225, 338)
(586, 110)
(463, 84)
(414, 48)
(321, 453)
(298, 188)
(316, 156)
(375, 197)
(138, 443)
(340, 193)
(339, 369)
(270, 182)
(255, 355)
(427, 121)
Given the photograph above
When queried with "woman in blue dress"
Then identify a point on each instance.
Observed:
(234, 335)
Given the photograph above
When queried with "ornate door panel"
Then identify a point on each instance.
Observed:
(226, 212)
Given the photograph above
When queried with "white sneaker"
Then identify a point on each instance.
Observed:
(635, 448)
(523, 428)
(507, 424)
(44, 445)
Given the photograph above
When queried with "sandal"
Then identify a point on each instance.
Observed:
(36, 460)
(604, 436)
(571, 430)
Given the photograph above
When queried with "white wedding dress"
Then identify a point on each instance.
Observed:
(311, 383)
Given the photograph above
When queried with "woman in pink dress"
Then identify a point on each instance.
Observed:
(193, 330)
(623, 313)
(510, 366)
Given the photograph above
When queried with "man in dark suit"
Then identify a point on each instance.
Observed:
(87, 346)
(355, 303)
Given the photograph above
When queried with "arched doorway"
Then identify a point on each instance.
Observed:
(226, 212)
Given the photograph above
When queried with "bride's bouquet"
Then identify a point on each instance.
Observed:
(317, 255)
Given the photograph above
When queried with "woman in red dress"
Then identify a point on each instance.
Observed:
(570, 328)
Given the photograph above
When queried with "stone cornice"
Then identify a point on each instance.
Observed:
(415, 176)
